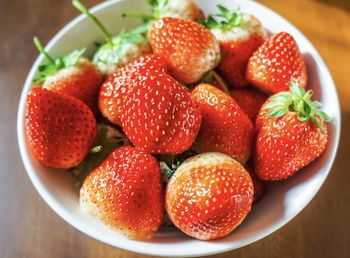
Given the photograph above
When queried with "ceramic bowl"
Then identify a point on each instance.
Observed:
(283, 201)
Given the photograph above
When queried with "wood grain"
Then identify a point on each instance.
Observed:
(29, 228)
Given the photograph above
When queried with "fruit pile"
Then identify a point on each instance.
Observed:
(183, 118)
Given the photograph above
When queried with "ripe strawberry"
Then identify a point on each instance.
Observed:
(61, 129)
(190, 49)
(209, 196)
(225, 127)
(113, 92)
(275, 63)
(71, 75)
(250, 100)
(125, 192)
(291, 133)
(117, 50)
(159, 116)
(240, 35)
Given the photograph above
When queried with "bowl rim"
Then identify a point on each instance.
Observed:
(66, 216)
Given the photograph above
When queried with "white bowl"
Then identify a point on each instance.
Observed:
(283, 201)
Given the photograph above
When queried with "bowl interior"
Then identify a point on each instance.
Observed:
(283, 201)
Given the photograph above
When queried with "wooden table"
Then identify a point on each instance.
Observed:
(29, 228)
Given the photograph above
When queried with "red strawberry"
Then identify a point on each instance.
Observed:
(275, 63)
(115, 89)
(225, 127)
(209, 196)
(159, 115)
(240, 35)
(190, 49)
(291, 133)
(125, 192)
(71, 75)
(61, 129)
(250, 100)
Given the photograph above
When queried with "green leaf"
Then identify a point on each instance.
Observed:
(73, 58)
(278, 111)
(314, 119)
(273, 104)
(210, 23)
(224, 11)
(112, 54)
(169, 163)
(55, 65)
(153, 3)
(323, 116)
(303, 118)
(45, 71)
(227, 19)
(103, 147)
(298, 101)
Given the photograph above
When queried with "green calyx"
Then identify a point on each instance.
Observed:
(170, 163)
(111, 54)
(227, 19)
(103, 147)
(55, 65)
(112, 50)
(299, 101)
(159, 7)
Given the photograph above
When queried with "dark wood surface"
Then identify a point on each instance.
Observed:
(29, 228)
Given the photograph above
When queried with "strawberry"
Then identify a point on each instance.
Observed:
(125, 192)
(119, 50)
(275, 63)
(225, 127)
(159, 116)
(60, 129)
(250, 100)
(71, 75)
(291, 133)
(240, 35)
(209, 196)
(115, 89)
(190, 49)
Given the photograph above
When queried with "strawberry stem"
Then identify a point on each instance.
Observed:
(41, 49)
(223, 85)
(142, 16)
(84, 10)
